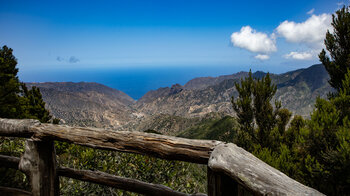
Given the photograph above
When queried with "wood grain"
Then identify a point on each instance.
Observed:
(254, 174)
(16, 127)
(166, 147)
(39, 163)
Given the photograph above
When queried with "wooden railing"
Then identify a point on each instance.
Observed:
(231, 169)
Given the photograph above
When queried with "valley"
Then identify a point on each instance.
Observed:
(170, 110)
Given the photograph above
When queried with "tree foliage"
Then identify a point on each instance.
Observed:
(315, 152)
(265, 114)
(329, 141)
(243, 104)
(338, 45)
(35, 104)
(253, 106)
(10, 101)
(16, 101)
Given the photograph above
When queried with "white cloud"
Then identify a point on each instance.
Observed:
(299, 55)
(311, 32)
(262, 57)
(311, 11)
(247, 38)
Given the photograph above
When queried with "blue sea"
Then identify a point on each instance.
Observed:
(133, 81)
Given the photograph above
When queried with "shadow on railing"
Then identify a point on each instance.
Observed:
(231, 169)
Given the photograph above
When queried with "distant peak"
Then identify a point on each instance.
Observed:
(259, 74)
(176, 86)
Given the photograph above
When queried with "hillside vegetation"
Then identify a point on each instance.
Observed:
(223, 129)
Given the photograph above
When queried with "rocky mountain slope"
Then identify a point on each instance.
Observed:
(170, 110)
(297, 90)
(86, 104)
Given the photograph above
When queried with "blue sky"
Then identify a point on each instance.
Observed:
(102, 35)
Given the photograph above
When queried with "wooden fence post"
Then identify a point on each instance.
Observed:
(39, 163)
(221, 185)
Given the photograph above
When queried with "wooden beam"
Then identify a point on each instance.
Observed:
(166, 147)
(253, 174)
(225, 159)
(17, 128)
(9, 161)
(120, 182)
(39, 163)
(7, 191)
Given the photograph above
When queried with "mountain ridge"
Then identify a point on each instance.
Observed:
(93, 104)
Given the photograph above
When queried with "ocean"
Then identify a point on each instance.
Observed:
(135, 81)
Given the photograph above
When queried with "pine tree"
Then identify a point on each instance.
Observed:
(328, 141)
(10, 101)
(338, 45)
(244, 110)
(283, 117)
(265, 114)
(253, 106)
(35, 104)
(16, 101)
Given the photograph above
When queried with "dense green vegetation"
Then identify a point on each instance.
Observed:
(338, 45)
(223, 129)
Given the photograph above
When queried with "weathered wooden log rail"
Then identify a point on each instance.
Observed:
(231, 169)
